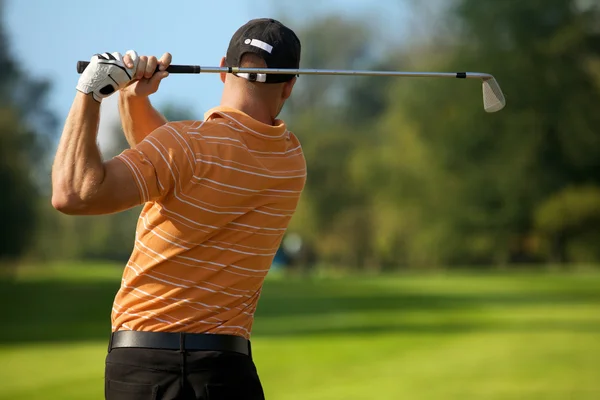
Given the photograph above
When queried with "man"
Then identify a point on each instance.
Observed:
(218, 195)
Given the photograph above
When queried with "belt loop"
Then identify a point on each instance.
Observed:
(110, 341)
(250, 349)
(182, 342)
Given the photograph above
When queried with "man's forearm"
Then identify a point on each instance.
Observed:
(138, 117)
(78, 166)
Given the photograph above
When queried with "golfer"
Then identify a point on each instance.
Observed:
(217, 194)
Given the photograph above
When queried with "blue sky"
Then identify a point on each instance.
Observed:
(48, 37)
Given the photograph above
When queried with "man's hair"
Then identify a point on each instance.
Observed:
(257, 89)
(251, 60)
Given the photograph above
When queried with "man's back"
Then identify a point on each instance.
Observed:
(227, 189)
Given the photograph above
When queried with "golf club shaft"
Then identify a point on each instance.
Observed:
(196, 69)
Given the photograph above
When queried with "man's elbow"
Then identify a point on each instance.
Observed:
(68, 203)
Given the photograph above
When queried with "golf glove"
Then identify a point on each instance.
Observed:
(105, 74)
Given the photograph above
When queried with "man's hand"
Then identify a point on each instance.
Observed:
(106, 74)
(146, 79)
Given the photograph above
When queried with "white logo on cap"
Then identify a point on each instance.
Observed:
(260, 44)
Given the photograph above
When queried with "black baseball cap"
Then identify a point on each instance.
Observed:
(274, 42)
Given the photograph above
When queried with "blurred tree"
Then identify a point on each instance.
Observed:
(413, 172)
(568, 217)
(502, 166)
(335, 43)
(17, 203)
(24, 124)
(335, 209)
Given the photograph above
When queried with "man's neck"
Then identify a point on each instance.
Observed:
(253, 109)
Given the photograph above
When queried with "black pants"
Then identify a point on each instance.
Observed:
(149, 374)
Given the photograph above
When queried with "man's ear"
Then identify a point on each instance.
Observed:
(223, 74)
(287, 88)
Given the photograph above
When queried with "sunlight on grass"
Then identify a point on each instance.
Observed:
(53, 371)
(459, 336)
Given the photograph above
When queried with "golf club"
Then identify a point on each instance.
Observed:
(493, 98)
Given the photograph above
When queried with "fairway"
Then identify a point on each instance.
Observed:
(455, 336)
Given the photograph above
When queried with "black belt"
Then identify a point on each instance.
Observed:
(179, 341)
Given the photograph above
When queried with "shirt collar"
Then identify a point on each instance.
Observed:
(246, 122)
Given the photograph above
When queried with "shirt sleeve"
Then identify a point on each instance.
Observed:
(162, 163)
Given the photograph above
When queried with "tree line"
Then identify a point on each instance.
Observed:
(402, 173)
(411, 172)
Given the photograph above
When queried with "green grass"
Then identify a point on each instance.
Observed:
(455, 336)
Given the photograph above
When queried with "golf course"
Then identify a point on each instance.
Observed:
(510, 335)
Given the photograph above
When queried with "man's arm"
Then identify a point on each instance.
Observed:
(138, 117)
(82, 184)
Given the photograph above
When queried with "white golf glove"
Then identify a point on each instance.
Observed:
(105, 74)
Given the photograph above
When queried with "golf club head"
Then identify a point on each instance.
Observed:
(493, 98)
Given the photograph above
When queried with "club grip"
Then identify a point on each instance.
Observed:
(172, 69)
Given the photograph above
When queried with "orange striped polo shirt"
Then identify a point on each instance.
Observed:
(218, 195)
